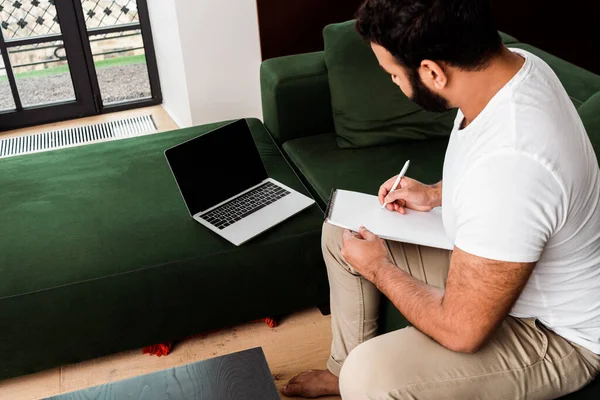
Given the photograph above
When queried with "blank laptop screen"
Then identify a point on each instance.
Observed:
(216, 166)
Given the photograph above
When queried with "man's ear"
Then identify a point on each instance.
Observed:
(433, 74)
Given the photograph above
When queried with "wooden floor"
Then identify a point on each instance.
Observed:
(162, 120)
(302, 341)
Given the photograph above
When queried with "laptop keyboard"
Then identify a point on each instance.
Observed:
(245, 205)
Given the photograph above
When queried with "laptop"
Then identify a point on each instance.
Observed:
(225, 185)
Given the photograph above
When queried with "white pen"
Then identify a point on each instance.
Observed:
(400, 176)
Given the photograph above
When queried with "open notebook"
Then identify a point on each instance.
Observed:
(350, 210)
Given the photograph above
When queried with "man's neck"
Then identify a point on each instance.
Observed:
(481, 86)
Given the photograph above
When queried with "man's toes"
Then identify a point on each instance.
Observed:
(292, 389)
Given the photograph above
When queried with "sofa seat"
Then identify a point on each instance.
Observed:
(325, 166)
(99, 254)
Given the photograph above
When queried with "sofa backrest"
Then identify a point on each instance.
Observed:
(297, 103)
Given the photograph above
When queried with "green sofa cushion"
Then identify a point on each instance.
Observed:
(368, 108)
(86, 209)
(580, 84)
(590, 115)
(100, 255)
(508, 39)
(325, 166)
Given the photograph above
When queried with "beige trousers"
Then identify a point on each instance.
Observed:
(522, 360)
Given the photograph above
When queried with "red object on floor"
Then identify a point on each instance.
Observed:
(160, 350)
(163, 349)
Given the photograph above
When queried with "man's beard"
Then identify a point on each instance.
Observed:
(425, 98)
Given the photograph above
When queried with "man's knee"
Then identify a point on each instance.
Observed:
(372, 371)
(331, 239)
(359, 375)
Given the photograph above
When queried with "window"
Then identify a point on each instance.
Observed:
(63, 59)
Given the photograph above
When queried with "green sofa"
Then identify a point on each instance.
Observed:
(98, 254)
(298, 114)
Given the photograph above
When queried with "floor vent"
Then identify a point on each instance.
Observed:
(111, 130)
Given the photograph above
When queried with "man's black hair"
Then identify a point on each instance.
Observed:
(460, 33)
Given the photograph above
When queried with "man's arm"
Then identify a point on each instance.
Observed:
(507, 207)
(479, 292)
(437, 196)
(478, 296)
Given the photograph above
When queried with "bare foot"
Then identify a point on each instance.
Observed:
(312, 383)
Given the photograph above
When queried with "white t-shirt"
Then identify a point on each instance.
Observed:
(521, 184)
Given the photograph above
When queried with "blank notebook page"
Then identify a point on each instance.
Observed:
(350, 210)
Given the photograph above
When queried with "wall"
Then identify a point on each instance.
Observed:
(295, 26)
(209, 51)
(221, 51)
(169, 57)
(570, 31)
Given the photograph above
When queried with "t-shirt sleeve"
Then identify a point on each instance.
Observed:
(508, 206)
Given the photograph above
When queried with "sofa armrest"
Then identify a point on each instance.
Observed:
(295, 96)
